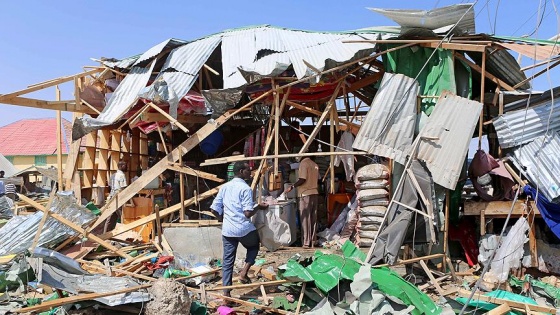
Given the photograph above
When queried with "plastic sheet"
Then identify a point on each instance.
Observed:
(510, 253)
(327, 270)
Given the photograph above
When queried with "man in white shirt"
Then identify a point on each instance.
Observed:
(117, 183)
(118, 180)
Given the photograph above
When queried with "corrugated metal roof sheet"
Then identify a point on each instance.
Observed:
(452, 121)
(519, 127)
(124, 97)
(434, 19)
(388, 129)
(267, 50)
(183, 64)
(541, 161)
(121, 64)
(501, 63)
(157, 49)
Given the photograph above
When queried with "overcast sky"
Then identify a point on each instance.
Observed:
(42, 40)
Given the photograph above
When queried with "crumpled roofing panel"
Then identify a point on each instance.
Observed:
(17, 235)
(268, 51)
(124, 97)
(434, 19)
(452, 121)
(519, 127)
(388, 129)
(541, 164)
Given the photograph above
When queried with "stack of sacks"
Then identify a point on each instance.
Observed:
(372, 182)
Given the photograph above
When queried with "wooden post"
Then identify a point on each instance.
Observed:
(331, 149)
(446, 228)
(482, 79)
(276, 94)
(162, 139)
(59, 141)
(182, 192)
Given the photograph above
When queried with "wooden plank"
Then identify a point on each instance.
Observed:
(48, 305)
(169, 117)
(127, 227)
(131, 190)
(43, 220)
(190, 171)
(455, 46)
(534, 308)
(502, 309)
(47, 84)
(432, 278)
(498, 209)
(115, 270)
(35, 103)
(301, 295)
(59, 142)
(264, 157)
(248, 285)
(350, 125)
(75, 227)
(488, 75)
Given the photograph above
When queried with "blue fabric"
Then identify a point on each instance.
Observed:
(232, 200)
(249, 241)
(550, 212)
(2, 188)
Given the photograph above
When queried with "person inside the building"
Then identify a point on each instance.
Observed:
(11, 191)
(308, 195)
(117, 183)
(118, 180)
(234, 206)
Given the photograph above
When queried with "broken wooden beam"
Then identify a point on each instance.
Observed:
(190, 171)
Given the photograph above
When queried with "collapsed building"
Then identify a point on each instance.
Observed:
(398, 107)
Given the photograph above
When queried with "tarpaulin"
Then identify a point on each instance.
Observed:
(539, 287)
(500, 294)
(550, 212)
(327, 270)
(437, 76)
(402, 224)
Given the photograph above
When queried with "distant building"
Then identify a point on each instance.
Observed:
(32, 142)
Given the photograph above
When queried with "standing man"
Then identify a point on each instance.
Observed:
(117, 183)
(234, 206)
(118, 180)
(230, 172)
(308, 195)
(2, 187)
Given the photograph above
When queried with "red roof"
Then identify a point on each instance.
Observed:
(34, 137)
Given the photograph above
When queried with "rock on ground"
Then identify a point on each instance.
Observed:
(169, 297)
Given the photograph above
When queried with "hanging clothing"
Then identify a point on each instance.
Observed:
(484, 165)
(345, 144)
